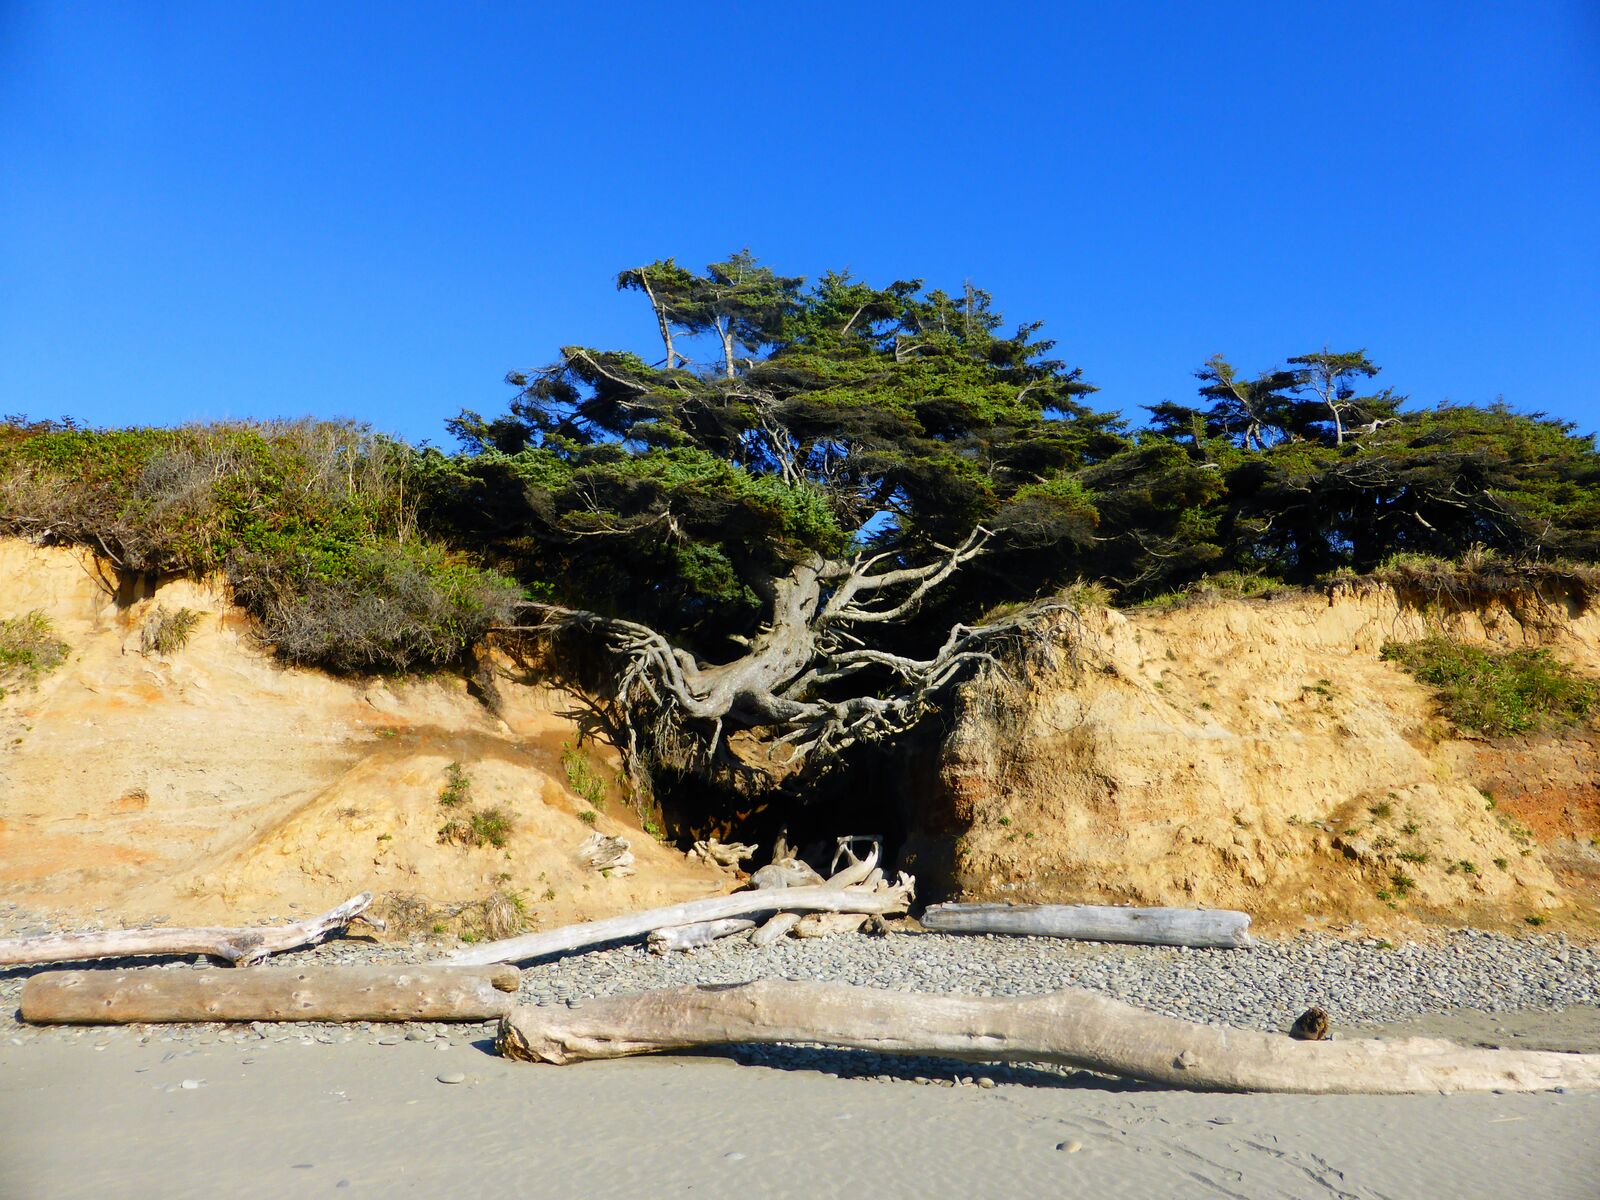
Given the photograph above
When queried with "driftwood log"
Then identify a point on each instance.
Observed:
(1097, 923)
(777, 927)
(344, 993)
(1079, 1028)
(858, 888)
(692, 937)
(240, 947)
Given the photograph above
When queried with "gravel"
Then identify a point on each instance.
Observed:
(1356, 981)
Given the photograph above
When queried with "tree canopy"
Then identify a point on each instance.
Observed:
(819, 514)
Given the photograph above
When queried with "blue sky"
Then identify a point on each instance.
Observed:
(375, 211)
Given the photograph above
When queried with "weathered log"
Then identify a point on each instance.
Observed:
(606, 854)
(1097, 923)
(1075, 1027)
(343, 993)
(692, 937)
(791, 872)
(727, 855)
(777, 926)
(815, 925)
(240, 947)
(881, 898)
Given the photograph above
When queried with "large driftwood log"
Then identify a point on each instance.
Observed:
(692, 937)
(1097, 923)
(344, 993)
(240, 947)
(853, 895)
(1075, 1027)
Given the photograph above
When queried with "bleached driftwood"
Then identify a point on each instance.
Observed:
(1097, 923)
(829, 897)
(858, 872)
(240, 947)
(825, 924)
(604, 853)
(777, 927)
(342, 993)
(790, 872)
(692, 937)
(1076, 1027)
(721, 854)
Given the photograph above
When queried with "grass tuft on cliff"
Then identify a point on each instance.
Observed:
(1497, 692)
(314, 524)
(29, 648)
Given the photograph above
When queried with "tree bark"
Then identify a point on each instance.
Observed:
(1097, 923)
(851, 896)
(240, 947)
(1075, 1027)
(343, 993)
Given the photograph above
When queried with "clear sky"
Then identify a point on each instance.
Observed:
(375, 211)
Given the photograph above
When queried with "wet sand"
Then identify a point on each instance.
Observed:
(287, 1120)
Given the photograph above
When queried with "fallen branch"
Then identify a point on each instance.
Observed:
(1079, 1028)
(878, 897)
(344, 993)
(239, 947)
(1097, 923)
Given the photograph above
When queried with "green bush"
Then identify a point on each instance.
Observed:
(29, 648)
(1497, 692)
(314, 523)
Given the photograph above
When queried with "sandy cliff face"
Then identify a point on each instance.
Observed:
(216, 784)
(1261, 756)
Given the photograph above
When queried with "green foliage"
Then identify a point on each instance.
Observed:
(457, 788)
(167, 632)
(585, 781)
(479, 827)
(315, 524)
(1497, 692)
(29, 648)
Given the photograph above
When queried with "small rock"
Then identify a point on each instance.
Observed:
(189, 1085)
(733, 1156)
(452, 1077)
(985, 1082)
(1069, 1147)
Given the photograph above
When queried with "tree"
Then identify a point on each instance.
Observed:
(771, 546)
(1329, 376)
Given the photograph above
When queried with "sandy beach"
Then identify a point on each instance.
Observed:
(104, 1115)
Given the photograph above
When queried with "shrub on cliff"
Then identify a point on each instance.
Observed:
(29, 648)
(315, 524)
(1497, 692)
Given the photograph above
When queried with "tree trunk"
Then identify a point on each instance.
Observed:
(1075, 1027)
(1096, 923)
(845, 892)
(344, 993)
(240, 947)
